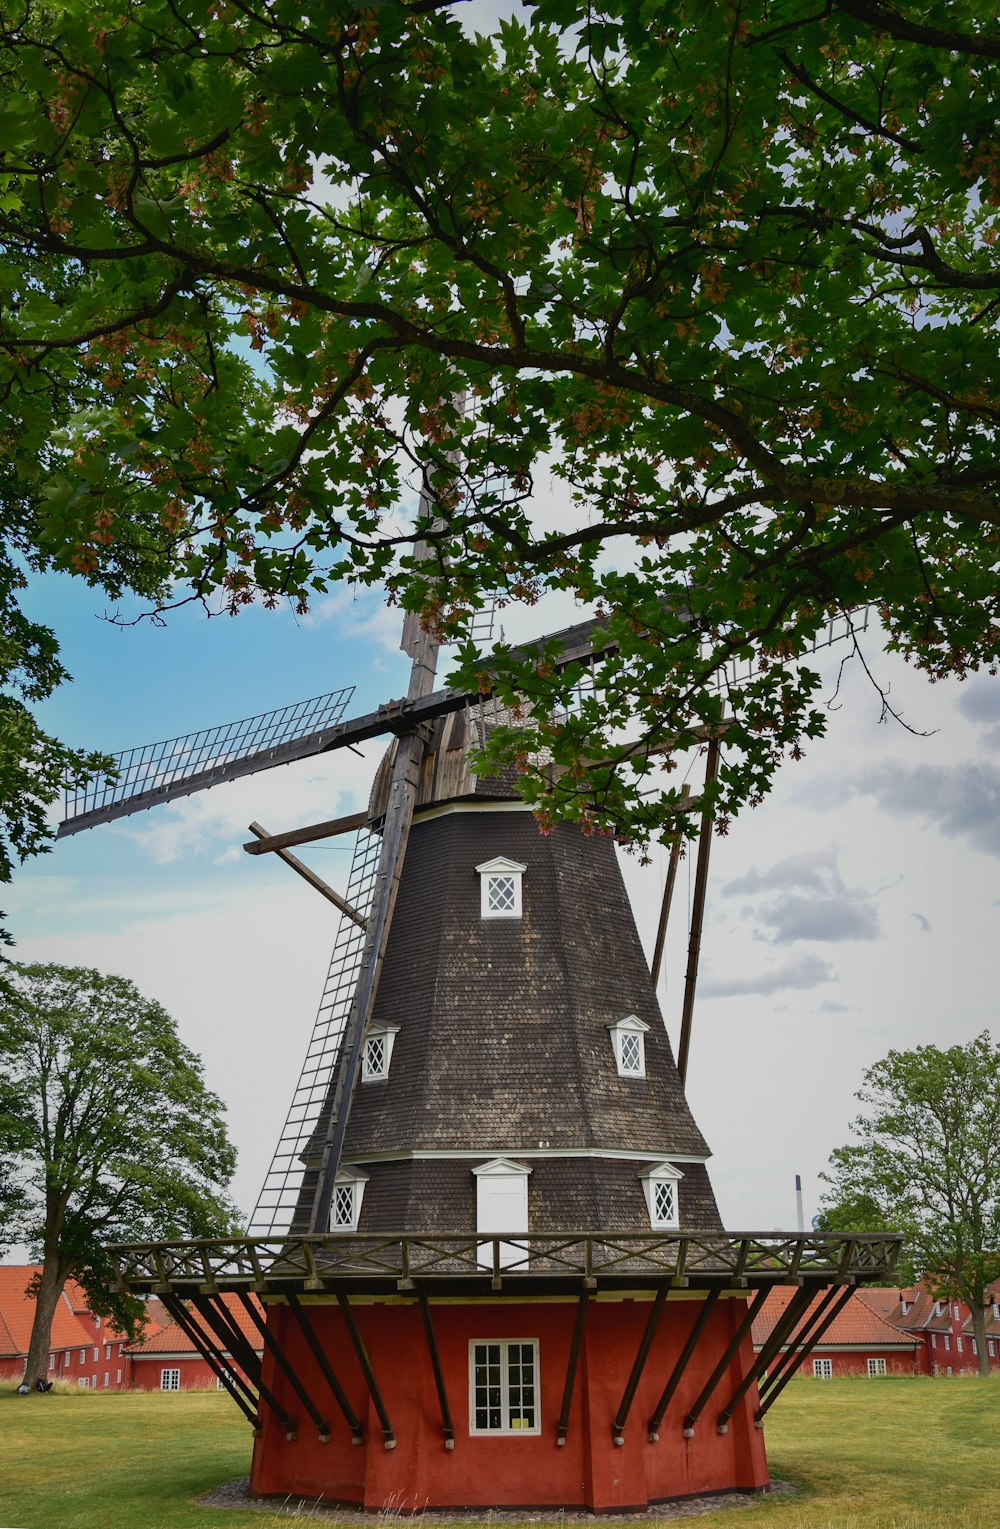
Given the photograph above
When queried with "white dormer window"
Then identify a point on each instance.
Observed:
(502, 1207)
(661, 1186)
(377, 1053)
(628, 1040)
(500, 887)
(348, 1193)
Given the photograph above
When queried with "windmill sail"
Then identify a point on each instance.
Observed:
(161, 772)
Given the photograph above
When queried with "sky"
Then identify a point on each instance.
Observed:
(853, 912)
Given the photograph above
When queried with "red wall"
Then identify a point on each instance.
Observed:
(196, 1373)
(517, 1470)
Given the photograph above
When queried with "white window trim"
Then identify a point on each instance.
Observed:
(876, 1367)
(659, 1173)
(387, 1034)
(169, 1385)
(618, 1030)
(499, 866)
(505, 1431)
(355, 1179)
(823, 1369)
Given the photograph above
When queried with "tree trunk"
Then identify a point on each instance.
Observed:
(978, 1316)
(49, 1289)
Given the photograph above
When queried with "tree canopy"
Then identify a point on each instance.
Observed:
(927, 1163)
(727, 271)
(110, 1131)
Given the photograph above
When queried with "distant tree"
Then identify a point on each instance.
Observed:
(927, 1163)
(115, 1135)
(730, 267)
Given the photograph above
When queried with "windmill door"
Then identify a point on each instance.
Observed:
(502, 1207)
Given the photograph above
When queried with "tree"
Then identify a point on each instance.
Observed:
(116, 1136)
(728, 268)
(927, 1162)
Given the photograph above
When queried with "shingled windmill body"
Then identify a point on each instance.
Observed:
(489, 1239)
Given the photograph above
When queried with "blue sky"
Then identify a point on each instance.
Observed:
(855, 911)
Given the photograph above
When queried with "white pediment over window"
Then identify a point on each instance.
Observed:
(661, 1186)
(628, 1040)
(500, 887)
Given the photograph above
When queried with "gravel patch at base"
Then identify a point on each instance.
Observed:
(236, 1494)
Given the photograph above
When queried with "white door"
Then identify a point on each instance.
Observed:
(502, 1206)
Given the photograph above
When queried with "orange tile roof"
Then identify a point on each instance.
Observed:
(18, 1312)
(856, 1326)
(173, 1340)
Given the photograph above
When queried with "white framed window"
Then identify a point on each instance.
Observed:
(83, 1356)
(348, 1193)
(377, 1053)
(118, 1377)
(933, 1340)
(52, 1361)
(107, 1351)
(107, 1378)
(121, 1350)
(940, 1307)
(502, 1208)
(960, 1345)
(947, 1344)
(876, 1367)
(992, 1347)
(904, 1307)
(97, 1355)
(500, 887)
(220, 1380)
(629, 1044)
(83, 1383)
(996, 1311)
(503, 1386)
(661, 1186)
(957, 1310)
(170, 1380)
(823, 1369)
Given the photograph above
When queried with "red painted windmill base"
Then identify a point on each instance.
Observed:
(509, 1453)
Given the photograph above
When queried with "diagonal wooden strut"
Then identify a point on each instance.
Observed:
(233, 1383)
(314, 881)
(812, 1320)
(309, 835)
(388, 1432)
(803, 1353)
(326, 1369)
(683, 1360)
(783, 1327)
(281, 1359)
(652, 1323)
(447, 1427)
(728, 1354)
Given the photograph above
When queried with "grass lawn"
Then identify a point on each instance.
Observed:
(886, 1454)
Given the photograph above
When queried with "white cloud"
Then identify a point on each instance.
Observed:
(804, 971)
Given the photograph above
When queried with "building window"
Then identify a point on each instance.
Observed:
(502, 1209)
(947, 1344)
(628, 1041)
(974, 1349)
(107, 1351)
(220, 1380)
(121, 1350)
(83, 1383)
(940, 1307)
(348, 1193)
(661, 1186)
(957, 1311)
(904, 1307)
(52, 1361)
(107, 1378)
(377, 1053)
(503, 1386)
(118, 1377)
(500, 887)
(823, 1369)
(97, 1355)
(996, 1311)
(876, 1367)
(958, 1342)
(83, 1356)
(933, 1340)
(990, 1346)
(170, 1380)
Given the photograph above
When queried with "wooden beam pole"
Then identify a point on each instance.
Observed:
(683, 1359)
(653, 1321)
(325, 1367)
(803, 1354)
(727, 1357)
(316, 882)
(327, 830)
(447, 1426)
(562, 1427)
(668, 896)
(697, 915)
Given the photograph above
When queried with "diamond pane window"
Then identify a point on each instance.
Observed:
(665, 1201)
(503, 1386)
(628, 1038)
(377, 1053)
(661, 1186)
(500, 888)
(345, 1210)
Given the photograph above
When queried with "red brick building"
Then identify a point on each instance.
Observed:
(859, 1341)
(167, 1360)
(941, 1327)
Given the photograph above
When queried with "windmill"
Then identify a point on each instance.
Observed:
(488, 1018)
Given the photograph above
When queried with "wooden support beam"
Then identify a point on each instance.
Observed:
(281, 1359)
(447, 1426)
(786, 1322)
(803, 1354)
(812, 1320)
(314, 881)
(220, 1324)
(209, 1353)
(309, 835)
(388, 1432)
(683, 1359)
(652, 1323)
(729, 1353)
(697, 914)
(668, 896)
(562, 1427)
(326, 1369)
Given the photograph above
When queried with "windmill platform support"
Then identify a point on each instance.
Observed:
(593, 1464)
